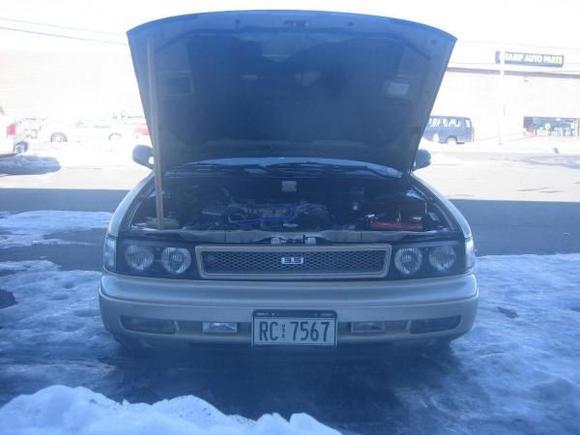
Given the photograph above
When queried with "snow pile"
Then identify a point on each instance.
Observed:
(30, 228)
(78, 411)
(28, 164)
(518, 370)
(56, 312)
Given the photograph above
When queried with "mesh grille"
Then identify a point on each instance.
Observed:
(294, 263)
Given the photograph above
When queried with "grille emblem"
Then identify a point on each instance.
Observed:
(291, 261)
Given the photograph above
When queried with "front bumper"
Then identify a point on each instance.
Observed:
(186, 304)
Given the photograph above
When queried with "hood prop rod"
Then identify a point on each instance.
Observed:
(154, 120)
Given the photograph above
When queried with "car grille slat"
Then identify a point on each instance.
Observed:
(296, 262)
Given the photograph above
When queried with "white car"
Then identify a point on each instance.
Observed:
(86, 130)
(293, 216)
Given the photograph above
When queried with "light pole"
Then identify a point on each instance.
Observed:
(501, 92)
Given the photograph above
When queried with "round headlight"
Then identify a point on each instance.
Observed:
(138, 257)
(175, 260)
(442, 258)
(408, 260)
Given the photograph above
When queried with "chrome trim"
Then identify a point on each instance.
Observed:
(200, 249)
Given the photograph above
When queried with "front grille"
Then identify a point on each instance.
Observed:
(293, 262)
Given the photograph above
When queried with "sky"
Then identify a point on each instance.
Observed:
(544, 23)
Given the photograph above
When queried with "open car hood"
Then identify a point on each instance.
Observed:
(288, 84)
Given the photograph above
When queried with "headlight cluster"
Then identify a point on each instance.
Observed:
(167, 259)
(148, 258)
(429, 259)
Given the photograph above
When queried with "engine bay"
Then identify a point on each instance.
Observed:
(289, 205)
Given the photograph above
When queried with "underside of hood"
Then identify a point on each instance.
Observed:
(288, 84)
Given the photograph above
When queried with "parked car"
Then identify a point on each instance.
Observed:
(10, 141)
(30, 127)
(138, 124)
(293, 217)
(86, 130)
(449, 129)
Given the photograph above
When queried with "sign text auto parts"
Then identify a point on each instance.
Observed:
(534, 59)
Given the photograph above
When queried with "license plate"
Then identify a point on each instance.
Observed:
(294, 328)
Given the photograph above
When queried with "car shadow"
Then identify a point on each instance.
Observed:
(350, 392)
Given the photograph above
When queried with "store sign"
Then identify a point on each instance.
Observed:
(532, 59)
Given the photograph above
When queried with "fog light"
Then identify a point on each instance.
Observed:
(367, 327)
(219, 327)
(155, 326)
(423, 326)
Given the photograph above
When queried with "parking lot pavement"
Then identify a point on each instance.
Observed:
(505, 177)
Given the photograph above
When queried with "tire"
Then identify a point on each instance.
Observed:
(115, 137)
(20, 147)
(435, 138)
(58, 138)
(451, 140)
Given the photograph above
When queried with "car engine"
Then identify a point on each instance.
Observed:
(290, 205)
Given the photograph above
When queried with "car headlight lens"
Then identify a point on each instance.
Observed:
(408, 261)
(139, 258)
(175, 260)
(109, 253)
(442, 258)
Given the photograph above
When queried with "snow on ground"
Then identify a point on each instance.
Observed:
(78, 411)
(21, 164)
(516, 372)
(32, 227)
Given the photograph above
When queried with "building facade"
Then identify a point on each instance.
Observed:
(535, 91)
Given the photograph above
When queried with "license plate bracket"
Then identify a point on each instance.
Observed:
(294, 328)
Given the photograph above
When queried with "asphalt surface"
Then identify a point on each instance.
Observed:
(516, 203)
(500, 227)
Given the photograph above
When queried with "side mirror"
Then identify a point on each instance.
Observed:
(143, 155)
(422, 159)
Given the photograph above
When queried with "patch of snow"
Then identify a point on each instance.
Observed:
(26, 266)
(30, 228)
(78, 411)
(28, 164)
(56, 311)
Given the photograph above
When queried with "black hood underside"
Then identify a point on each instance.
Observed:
(289, 84)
